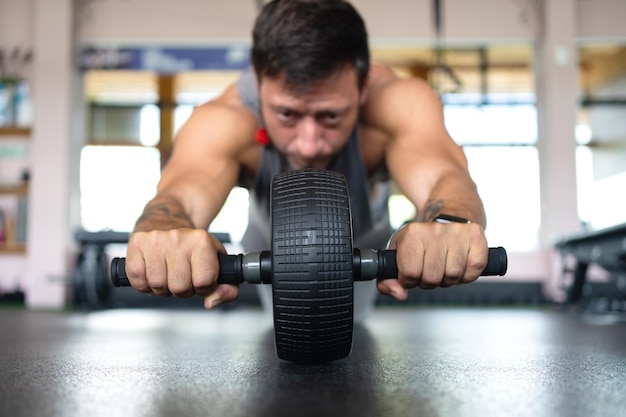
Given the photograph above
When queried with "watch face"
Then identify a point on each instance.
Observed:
(447, 218)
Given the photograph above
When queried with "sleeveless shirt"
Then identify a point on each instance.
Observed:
(368, 194)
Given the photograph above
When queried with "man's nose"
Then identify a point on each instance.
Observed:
(308, 140)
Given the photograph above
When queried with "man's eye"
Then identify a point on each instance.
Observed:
(286, 115)
(330, 118)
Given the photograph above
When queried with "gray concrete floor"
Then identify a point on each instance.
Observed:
(405, 362)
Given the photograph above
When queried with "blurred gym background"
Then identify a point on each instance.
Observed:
(92, 93)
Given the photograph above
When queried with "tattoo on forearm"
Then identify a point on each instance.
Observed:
(432, 210)
(164, 211)
(167, 210)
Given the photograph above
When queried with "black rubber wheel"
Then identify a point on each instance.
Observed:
(312, 279)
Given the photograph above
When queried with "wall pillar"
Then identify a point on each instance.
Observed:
(557, 104)
(49, 234)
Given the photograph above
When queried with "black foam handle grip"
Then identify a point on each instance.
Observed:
(497, 263)
(230, 270)
(118, 273)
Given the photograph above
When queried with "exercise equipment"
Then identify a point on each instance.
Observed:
(312, 266)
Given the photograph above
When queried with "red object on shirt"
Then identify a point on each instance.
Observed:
(262, 138)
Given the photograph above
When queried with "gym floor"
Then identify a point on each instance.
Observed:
(405, 362)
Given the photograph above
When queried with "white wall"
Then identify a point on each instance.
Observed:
(111, 21)
(47, 25)
(49, 234)
(556, 70)
(121, 21)
(16, 23)
(601, 19)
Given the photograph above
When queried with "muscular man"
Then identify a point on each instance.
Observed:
(312, 100)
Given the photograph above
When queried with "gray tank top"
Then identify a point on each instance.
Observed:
(369, 194)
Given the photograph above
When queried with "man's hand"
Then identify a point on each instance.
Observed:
(431, 255)
(181, 262)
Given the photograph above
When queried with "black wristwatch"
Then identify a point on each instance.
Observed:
(447, 218)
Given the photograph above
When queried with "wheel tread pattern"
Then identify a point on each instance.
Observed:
(312, 266)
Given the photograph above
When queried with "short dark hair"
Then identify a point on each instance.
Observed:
(308, 40)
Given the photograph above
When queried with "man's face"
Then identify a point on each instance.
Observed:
(310, 128)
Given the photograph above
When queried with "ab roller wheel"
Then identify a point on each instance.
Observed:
(312, 266)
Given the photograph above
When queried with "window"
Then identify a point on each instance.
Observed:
(124, 135)
(498, 140)
(116, 182)
(601, 135)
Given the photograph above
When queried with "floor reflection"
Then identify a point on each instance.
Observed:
(346, 387)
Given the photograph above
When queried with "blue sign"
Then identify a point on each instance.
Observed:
(166, 59)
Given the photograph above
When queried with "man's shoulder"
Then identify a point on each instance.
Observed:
(228, 113)
(391, 99)
(386, 83)
(222, 123)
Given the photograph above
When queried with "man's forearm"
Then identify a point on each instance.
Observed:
(435, 208)
(162, 214)
(454, 198)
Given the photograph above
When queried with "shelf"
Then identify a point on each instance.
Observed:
(12, 248)
(6, 132)
(21, 189)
